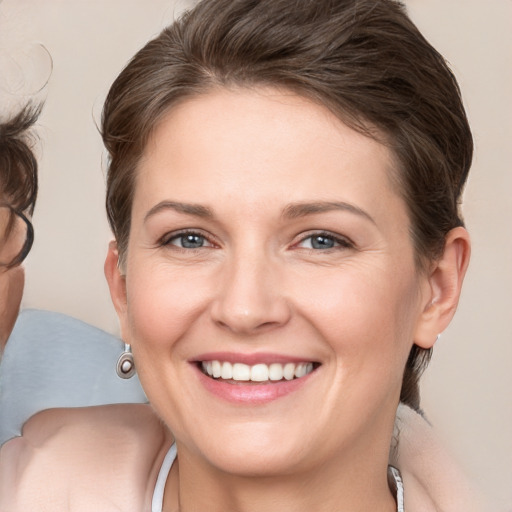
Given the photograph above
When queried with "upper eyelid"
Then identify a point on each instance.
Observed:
(337, 237)
(171, 235)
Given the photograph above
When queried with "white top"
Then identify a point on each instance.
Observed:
(158, 495)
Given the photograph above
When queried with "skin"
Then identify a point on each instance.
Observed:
(252, 159)
(101, 449)
(12, 282)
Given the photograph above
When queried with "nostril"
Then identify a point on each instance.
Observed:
(247, 325)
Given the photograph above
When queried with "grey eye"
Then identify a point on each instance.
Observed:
(319, 242)
(322, 242)
(189, 241)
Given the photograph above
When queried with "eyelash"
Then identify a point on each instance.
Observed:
(339, 241)
(170, 237)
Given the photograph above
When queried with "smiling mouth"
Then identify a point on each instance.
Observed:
(240, 372)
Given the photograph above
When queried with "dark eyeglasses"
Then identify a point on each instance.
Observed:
(16, 236)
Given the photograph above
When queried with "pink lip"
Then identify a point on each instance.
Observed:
(250, 393)
(250, 359)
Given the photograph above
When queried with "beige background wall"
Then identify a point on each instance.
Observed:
(468, 388)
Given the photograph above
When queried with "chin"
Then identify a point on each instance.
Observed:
(251, 449)
(253, 462)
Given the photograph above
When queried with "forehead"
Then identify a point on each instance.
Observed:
(257, 145)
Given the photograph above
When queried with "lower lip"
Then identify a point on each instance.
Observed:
(251, 393)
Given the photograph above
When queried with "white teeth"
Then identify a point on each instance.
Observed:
(275, 371)
(216, 369)
(257, 373)
(300, 370)
(289, 371)
(241, 371)
(227, 371)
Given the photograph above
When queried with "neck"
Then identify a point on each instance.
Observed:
(354, 484)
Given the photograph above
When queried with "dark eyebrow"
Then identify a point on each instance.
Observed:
(295, 210)
(196, 210)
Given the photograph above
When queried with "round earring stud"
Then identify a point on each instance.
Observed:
(125, 367)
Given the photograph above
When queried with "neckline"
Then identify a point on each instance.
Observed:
(394, 479)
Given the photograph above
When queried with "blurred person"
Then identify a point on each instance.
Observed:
(18, 192)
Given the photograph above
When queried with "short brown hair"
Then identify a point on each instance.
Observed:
(363, 59)
(18, 165)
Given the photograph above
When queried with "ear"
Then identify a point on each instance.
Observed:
(117, 284)
(444, 284)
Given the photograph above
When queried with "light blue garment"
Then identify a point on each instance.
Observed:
(52, 360)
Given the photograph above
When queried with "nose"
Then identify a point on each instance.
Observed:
(251, 299)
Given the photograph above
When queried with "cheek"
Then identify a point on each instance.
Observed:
(369, 327)
(11, 292)
(367, 318)
(162, 305)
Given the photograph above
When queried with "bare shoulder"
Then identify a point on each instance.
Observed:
(74, 458)
(98, 422)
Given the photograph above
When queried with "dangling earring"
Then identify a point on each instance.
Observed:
(125, 367)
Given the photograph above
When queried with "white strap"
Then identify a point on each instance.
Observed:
(158, 494)
(399, 488)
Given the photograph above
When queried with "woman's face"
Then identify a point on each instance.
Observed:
(267, 239)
